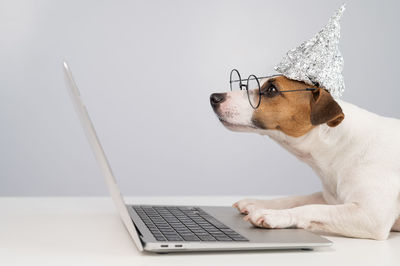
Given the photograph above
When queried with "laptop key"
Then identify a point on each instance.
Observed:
(174, 238)
(190, 238)
(223, 238)
(207, 238)
(226, 231)
(213, 230)
(203, 234)
(168, 232)
(186, 233)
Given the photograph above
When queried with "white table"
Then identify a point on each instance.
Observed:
(88, 231)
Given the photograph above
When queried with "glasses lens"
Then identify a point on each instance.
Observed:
(235, 80)
(253, 91)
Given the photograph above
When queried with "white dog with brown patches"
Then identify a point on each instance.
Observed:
(355, 153)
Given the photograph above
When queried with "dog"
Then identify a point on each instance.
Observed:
(355, 153)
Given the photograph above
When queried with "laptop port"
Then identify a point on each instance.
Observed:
(178, 246)
(164, 246)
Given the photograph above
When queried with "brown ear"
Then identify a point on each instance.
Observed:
(324, 109)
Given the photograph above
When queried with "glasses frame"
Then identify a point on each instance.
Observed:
(252, 77)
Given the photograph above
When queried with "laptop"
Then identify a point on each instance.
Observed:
(166, 228)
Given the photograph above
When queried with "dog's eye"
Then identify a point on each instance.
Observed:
(270, 91)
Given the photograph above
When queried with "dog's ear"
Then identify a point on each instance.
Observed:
(324, 109)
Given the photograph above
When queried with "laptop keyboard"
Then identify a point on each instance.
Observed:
(174, 223)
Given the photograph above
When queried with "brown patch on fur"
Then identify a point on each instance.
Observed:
(315, 225)
(296, 113)
(396, 225)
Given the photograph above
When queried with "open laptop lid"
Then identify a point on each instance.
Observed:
(100, 156)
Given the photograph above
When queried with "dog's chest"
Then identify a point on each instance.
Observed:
(324, 168)
(329, 179)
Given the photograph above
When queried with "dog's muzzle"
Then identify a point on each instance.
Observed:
(216, 99)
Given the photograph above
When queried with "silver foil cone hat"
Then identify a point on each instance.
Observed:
(318, 60)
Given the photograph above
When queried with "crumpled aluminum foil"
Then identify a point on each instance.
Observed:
(318, 60)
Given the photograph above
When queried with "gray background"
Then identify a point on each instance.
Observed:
(146, 70)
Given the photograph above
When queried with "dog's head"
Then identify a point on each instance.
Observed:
(294, 113)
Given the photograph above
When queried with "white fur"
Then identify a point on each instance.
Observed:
(235, 112)
(358, 163)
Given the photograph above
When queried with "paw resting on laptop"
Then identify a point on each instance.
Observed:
(245, 204)
(269, 218)
(260, 216)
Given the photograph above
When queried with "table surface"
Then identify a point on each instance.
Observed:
(88, 231)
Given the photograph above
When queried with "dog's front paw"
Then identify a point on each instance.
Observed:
(270, 218)
(247, 205)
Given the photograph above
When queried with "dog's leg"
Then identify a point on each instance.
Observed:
(246, 205)
(349, 219)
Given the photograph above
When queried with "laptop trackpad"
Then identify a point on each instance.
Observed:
(234, 219)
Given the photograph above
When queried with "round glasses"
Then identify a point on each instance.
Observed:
(253, 87)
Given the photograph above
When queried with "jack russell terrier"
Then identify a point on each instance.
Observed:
(355, 153)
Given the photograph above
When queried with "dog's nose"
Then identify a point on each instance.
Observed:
(217, 98)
